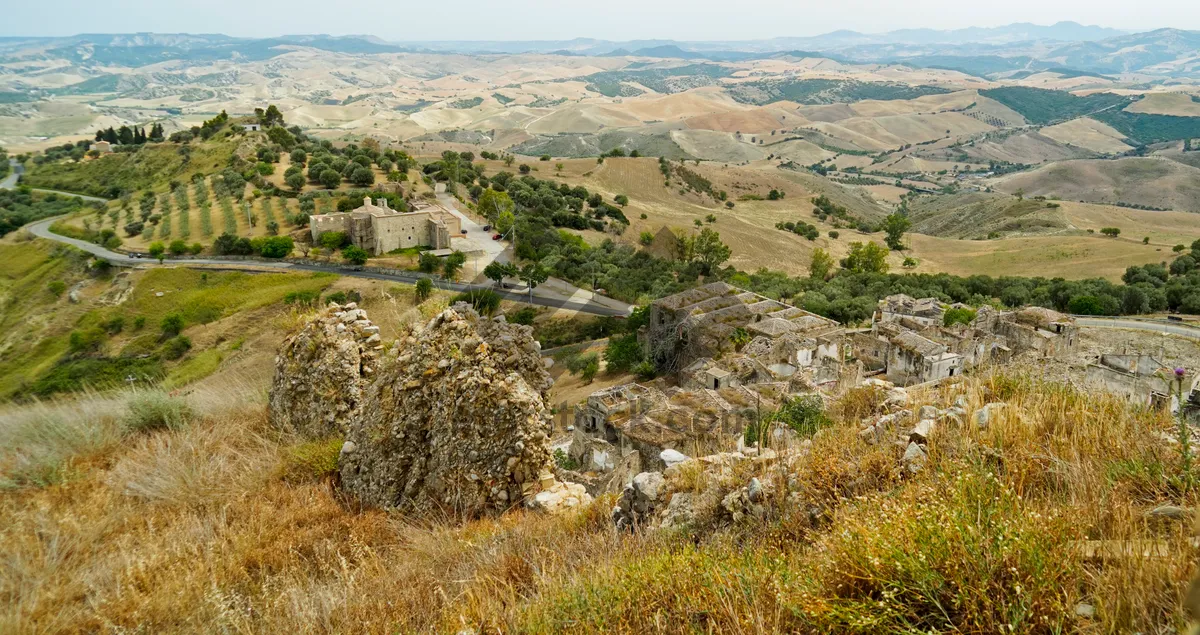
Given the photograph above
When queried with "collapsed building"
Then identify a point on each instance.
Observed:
(726, 355)
(719, 320)
(909, 344)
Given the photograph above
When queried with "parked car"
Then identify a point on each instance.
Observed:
(496, 237)
(487, 228)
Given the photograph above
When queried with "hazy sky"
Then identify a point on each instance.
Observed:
(403, 20)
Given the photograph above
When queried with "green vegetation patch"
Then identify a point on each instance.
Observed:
(826, 91)
(1041, 106)
(113, 174)
(660, 80)
(463, 104)
(20, 206)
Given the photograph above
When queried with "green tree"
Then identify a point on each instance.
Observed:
(866, 258)
(821, 265)
(646, 238)
(498, 271)
(453, 264)
(894, 226)
(331, 178)
(622, 353)
(493, 204)
(621, 200)
(423, 289)
(362, 176)
(177, 247)
(1111, 231)
(428, 263)
(332, 241)
(355, 255)
(709, 249)
(958, 316)
(157, 250)
(295, 180)
(533, 275)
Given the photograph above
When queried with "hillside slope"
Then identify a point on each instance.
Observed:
(1144, 181)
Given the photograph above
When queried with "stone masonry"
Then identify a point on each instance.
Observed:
(457, 420)
(322, 371)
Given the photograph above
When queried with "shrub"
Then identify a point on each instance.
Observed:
(958, 316)
(86, 341)
(306, 297)
(56, 288)
(176, 347)
(276, 246)
(423, 289)
(114, 325)
(152, 410)
(484, 301)
(355, 255)
(177, 247)
(172, 325)
(523, 316)
(343, 297)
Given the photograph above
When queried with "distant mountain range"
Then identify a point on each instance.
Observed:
(986, 52)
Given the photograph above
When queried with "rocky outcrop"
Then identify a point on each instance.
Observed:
(457, 420)
(322, 371)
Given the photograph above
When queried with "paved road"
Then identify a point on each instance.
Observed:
(41, 229)
(10, 182)
(14, 173)
(1144, 324)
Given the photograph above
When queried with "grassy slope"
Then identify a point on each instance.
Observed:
(1154, 182)
(149, 168)
(226, 525)
(219, 308)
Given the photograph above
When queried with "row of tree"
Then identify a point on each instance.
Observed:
(126, 135)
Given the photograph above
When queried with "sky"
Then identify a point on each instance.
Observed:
(407, 21)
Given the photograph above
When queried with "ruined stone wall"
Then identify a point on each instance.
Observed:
(456, 420)
(321, 223)
(322, 371)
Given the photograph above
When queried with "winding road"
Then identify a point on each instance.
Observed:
(41, 229)
(1181, 329)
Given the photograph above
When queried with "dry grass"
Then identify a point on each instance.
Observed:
(225, 525)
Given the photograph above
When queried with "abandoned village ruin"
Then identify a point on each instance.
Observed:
(454, 415)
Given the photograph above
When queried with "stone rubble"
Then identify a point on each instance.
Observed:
(984, 415)
(322, 371)
(638, 502)
(456, 419)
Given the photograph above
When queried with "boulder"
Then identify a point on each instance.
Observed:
(321, 373)
(927, 412)
(921, 432)
(914, 457)
(680, 511)
(984, 415)
(456, 419)
(672, 457)
(560, 497)
(638, 502)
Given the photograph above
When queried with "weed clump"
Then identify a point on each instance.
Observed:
(153, 410)
(310, 462)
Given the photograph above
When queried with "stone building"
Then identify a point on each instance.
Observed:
(713, 320)
(379, 229)
(1140, 379)
(103, 147)
(926, 311)
(913, 359)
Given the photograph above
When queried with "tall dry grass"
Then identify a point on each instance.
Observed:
(205, 527)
